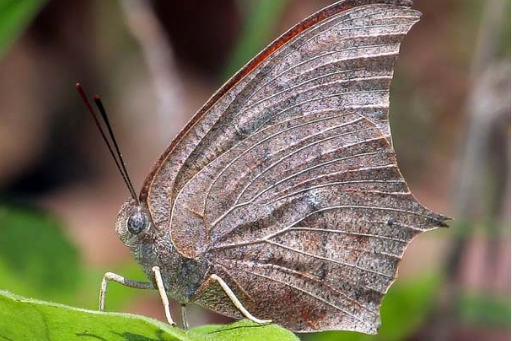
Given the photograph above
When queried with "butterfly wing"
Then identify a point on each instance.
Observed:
(342, 56)
(308, 220)
(286, 180)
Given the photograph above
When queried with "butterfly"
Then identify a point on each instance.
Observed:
(281, 200)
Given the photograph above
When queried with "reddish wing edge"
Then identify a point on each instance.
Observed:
(251, 65)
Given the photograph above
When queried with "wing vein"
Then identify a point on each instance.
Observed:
(329, 259)
(266, 139)
(390, 209)
(292, 227)
(237, 202)
(301, 149)
(389, 54)
(340, 81)
(323, 164)
(334, 183)
(307, 276)
(318, 34)
(306, 228)
(312, 295)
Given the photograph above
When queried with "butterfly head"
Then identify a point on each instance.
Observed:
(134, 224)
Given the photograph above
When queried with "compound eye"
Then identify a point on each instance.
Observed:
(137, 222)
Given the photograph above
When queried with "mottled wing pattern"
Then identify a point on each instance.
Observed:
(287, 182)
(308, 219)
(344, 59)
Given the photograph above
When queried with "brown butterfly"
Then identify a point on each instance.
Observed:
(281, 199)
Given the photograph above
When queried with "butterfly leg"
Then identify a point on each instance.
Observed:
(184, 319)
(163, 294)
(112, 277)
(236, 301)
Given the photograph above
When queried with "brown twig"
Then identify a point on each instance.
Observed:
(159, 57)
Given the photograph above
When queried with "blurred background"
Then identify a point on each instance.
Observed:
(156, 62)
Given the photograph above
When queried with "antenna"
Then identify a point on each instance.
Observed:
(117, 155)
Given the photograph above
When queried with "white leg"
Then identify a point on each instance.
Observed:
(184, 319)
(109, 276)
(236, 302)
(163, 294)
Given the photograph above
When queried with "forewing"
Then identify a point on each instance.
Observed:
(341, 57)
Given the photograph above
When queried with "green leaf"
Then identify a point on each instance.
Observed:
(244, 330)
(26, 319)
(36, 257)
(15, 15)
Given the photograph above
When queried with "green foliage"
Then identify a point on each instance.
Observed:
(15, 15)
(26, 319)
(259, 26)
(36, 258)
(245, 330)
(405, 307)
(485, 310)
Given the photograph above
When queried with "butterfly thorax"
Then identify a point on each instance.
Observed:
(182, 276)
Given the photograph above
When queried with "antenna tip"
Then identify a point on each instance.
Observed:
(96, 97)
(78, 85)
